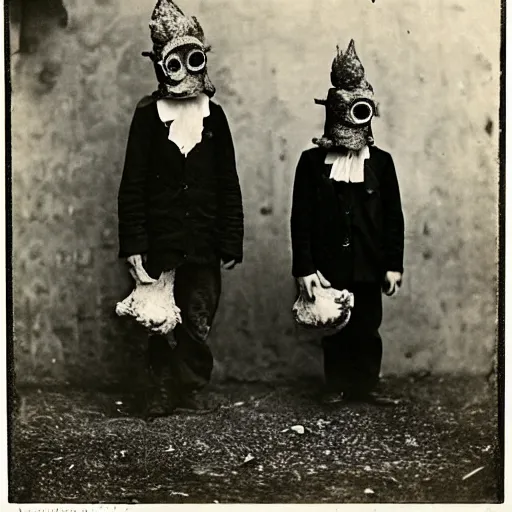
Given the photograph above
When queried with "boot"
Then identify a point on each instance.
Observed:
(369, 397)
(161, 399)
(331, 398)
(196, 402)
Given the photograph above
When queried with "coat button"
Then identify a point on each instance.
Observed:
(346, 242)
(185, 186)
(187, 214)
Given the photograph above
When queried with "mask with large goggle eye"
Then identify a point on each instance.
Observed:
(176, 66)
(361, 112)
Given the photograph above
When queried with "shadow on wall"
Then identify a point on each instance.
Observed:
(36, 20)
(32, 23)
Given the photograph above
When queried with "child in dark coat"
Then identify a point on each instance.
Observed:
(180, 204)
(347, 229)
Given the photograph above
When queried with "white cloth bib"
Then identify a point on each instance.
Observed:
(187, 116)
(348, 167)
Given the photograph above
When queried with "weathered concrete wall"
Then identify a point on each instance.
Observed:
(435, 68)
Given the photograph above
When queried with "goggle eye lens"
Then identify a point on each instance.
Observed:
(196, 60)
(361, 111)
(173, 65)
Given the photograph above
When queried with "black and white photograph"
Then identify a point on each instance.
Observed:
(255, 253)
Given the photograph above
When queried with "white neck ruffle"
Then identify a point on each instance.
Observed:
(187, 116)
(348, 167)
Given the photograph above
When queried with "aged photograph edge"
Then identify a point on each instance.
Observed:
(6, 321)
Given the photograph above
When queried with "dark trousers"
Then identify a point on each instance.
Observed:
(352, 357)
(190, 363)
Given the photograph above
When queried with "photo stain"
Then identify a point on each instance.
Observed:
(427, 254)
(489, 125)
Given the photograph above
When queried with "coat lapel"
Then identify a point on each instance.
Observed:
(325, 169)
(371, 183)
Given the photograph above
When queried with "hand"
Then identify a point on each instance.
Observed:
(307, 283)
(138, 271)
(345, 300)
(228, 265)
(392, 280)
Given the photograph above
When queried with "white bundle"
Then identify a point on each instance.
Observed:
(330, 309)
(152, 305)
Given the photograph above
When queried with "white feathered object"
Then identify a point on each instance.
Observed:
(330, 311)
(152, 305)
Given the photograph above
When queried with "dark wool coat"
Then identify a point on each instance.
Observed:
(174, 208)
(324, 228)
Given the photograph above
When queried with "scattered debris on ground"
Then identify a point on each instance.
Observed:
(263, 445)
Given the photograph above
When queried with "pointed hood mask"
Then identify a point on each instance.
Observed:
(349, 106)
(179, 53)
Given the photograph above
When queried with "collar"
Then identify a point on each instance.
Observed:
(186, 118)
(349, 166)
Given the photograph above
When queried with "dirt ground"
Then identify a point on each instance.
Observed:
(73, 446)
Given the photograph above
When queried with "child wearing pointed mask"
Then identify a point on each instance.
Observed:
(180, 205)
(347, 229)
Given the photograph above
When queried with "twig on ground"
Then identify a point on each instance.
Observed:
(474, 472)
